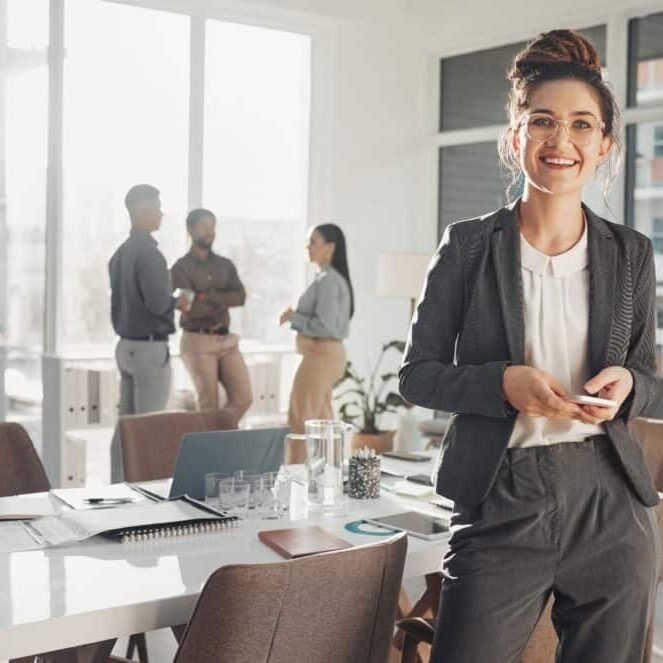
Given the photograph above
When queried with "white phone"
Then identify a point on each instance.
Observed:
(583, 399)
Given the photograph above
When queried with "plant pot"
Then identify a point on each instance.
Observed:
(382, 441)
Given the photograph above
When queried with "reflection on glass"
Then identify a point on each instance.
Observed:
(471, 182)
(125, 122)
(647, 197)
(255, 164)
(646, 60)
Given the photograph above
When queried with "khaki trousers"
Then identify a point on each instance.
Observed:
(322, 366)
(210, 359)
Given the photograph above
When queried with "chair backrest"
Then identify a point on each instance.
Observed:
(150, 442)
(21, 470)
(649, 432)
(326, 608)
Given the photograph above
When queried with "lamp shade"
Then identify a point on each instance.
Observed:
(401, 274)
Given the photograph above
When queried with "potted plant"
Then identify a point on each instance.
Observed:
(365, 399)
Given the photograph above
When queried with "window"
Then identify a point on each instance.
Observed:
(255, 164)
(464, 79)
(23, 146)
(644, 138)
(645, 81)
(125, 121)
(657, 235)
(658, 141)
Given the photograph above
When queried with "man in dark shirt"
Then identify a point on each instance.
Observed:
(142, 311)
(209, 351)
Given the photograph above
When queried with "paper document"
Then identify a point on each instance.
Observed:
(76, 497)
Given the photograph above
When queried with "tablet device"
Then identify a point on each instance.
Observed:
(417, 524)
(406, 455)
(583, 399)
(423, 479)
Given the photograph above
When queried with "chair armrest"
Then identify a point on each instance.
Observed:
(419, 628)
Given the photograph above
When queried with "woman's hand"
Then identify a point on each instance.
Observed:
(615, 383)
(285, 316)
(538, 394)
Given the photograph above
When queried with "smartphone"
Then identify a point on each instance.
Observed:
(582, 399)
(406, 455)
(420, 478)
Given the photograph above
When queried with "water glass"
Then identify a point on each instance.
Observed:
(255, 482)
(270, 505)
(212, 487)
(234, 496)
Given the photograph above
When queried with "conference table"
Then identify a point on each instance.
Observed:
(101, 589)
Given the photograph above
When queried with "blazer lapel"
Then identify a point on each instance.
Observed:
(506, 258)
(603, 284)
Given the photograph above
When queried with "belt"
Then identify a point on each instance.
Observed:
(151, 337)
(221, 331)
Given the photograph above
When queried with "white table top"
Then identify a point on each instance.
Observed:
(100, 589)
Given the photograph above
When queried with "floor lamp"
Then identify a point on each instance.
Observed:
(402, 275)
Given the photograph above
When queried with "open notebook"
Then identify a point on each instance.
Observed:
(173, 518)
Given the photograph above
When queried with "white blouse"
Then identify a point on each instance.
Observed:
(556, 299)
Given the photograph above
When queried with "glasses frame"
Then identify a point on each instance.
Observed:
(524, 121)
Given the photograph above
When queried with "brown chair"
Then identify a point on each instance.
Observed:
(649, 432)
(21, 472)
(337, 606)
(150, 442)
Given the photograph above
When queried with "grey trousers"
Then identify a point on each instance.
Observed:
(563, 520)
(145, 376)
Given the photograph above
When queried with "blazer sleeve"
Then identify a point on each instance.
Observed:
(429, 376)
(646, 398)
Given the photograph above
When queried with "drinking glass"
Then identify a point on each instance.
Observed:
(212, 487)
(234, 496)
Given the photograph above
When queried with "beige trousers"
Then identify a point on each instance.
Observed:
(322, 366)
(210, 359)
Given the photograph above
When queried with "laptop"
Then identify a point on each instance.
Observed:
(256, 451)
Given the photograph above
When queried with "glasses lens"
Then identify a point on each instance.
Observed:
(541, 128)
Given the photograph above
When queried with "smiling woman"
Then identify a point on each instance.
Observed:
(524, 309)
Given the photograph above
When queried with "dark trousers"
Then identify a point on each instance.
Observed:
(558, 519)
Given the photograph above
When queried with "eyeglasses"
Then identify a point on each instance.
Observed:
(541, 128)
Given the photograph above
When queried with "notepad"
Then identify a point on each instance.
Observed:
(76, 497)
(127, 523)
(301, 541)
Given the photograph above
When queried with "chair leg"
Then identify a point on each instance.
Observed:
(410, 649)
(138, 642)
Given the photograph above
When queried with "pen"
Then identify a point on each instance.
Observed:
(107, 500)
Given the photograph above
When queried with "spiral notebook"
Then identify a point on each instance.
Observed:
(178, 517)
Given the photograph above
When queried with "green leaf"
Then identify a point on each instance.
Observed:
(388, 376)
(396, 345)
(394, 400)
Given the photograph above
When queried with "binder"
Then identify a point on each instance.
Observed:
(182, 516)
(70, 404)
(93, 394)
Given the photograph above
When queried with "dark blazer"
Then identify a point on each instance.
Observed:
(469, 327)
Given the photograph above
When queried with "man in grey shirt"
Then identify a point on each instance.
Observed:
(142, 311)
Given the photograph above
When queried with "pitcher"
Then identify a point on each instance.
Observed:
(325, 442)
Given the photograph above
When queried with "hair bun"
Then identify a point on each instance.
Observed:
(557, 47)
